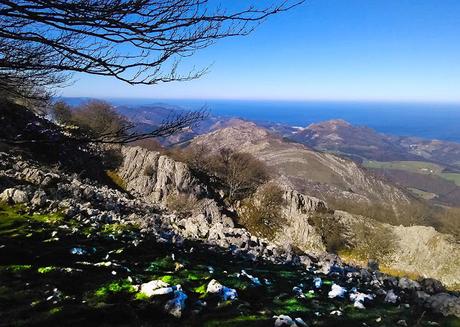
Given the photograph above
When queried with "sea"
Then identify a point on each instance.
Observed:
(426, 120)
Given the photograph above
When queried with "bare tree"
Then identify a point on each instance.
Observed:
(43, 42)
(136, 41)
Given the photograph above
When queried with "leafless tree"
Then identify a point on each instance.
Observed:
(136, 41)
(43, 42)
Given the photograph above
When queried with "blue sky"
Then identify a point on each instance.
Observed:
(383, 50)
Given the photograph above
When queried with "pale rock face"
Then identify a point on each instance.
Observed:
(427, 252)
(155, 176)
(298, 231)
(12, 195)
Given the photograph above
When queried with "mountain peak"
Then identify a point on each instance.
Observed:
(330, 124)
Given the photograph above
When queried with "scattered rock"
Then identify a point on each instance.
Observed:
(432, 286)
(337, 291)
(14, 196)
(157, 287)
(176, 305)
(226, 293)
(391, 297)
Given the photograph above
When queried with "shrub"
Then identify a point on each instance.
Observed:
(261, 214)
(332, 232)
(373, 242)
(182, 204)
(98, 118)
(116, 179)
(237, 174)
(61, 112)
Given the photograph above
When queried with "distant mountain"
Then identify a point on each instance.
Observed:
(323, 175)
(376, 151)
(429, 168)
(356, 141)
(148, 117)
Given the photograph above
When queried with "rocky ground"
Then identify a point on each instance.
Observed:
(75, 252)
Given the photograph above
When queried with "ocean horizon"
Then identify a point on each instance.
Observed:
(426, 120)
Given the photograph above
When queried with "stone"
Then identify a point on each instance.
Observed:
(176, 306)
(337, 291)
(373, 265)
(15, 196)
(157, 287)
(39, 198)
(284, 321)
(432, 286)
(445, 304)
(408, 284)
(391, 297)
(226, 293)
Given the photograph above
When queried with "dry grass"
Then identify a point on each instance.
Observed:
(116, 179)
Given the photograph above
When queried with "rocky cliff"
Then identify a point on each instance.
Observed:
(419, 250)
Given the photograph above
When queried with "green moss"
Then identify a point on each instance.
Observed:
(113, 288)
(18, 268)
(160, 265)
(45, 270)
(56, 310)
(245, 320)
(141, 296)
(15, 221)
(117, 228)
(168, 279)
(200, 289)
(285, 306)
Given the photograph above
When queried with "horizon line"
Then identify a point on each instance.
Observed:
(400, 101)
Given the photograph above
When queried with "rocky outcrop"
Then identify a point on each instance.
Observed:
(428, 253)
(418, 249)
(297, 210)
(155, 176)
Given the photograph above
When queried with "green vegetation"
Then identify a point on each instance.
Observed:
(420, 167)
(83, 291)
(114, 288)
(261, 213)
(454, 177)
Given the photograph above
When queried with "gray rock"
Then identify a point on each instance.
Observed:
(432, 286)
(373, 265)
(39, 198)
(408, 284)
(445, 304)
(14, 196)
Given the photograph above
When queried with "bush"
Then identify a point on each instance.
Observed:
(237, 174)
(98, 118)
(61, 112)
(261, 214)
(182, 204)
(332, 232)
(373, 242)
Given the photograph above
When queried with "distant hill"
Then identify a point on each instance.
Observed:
(323, 175)
(386, 155)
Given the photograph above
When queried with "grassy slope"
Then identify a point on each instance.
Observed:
(34, 261)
